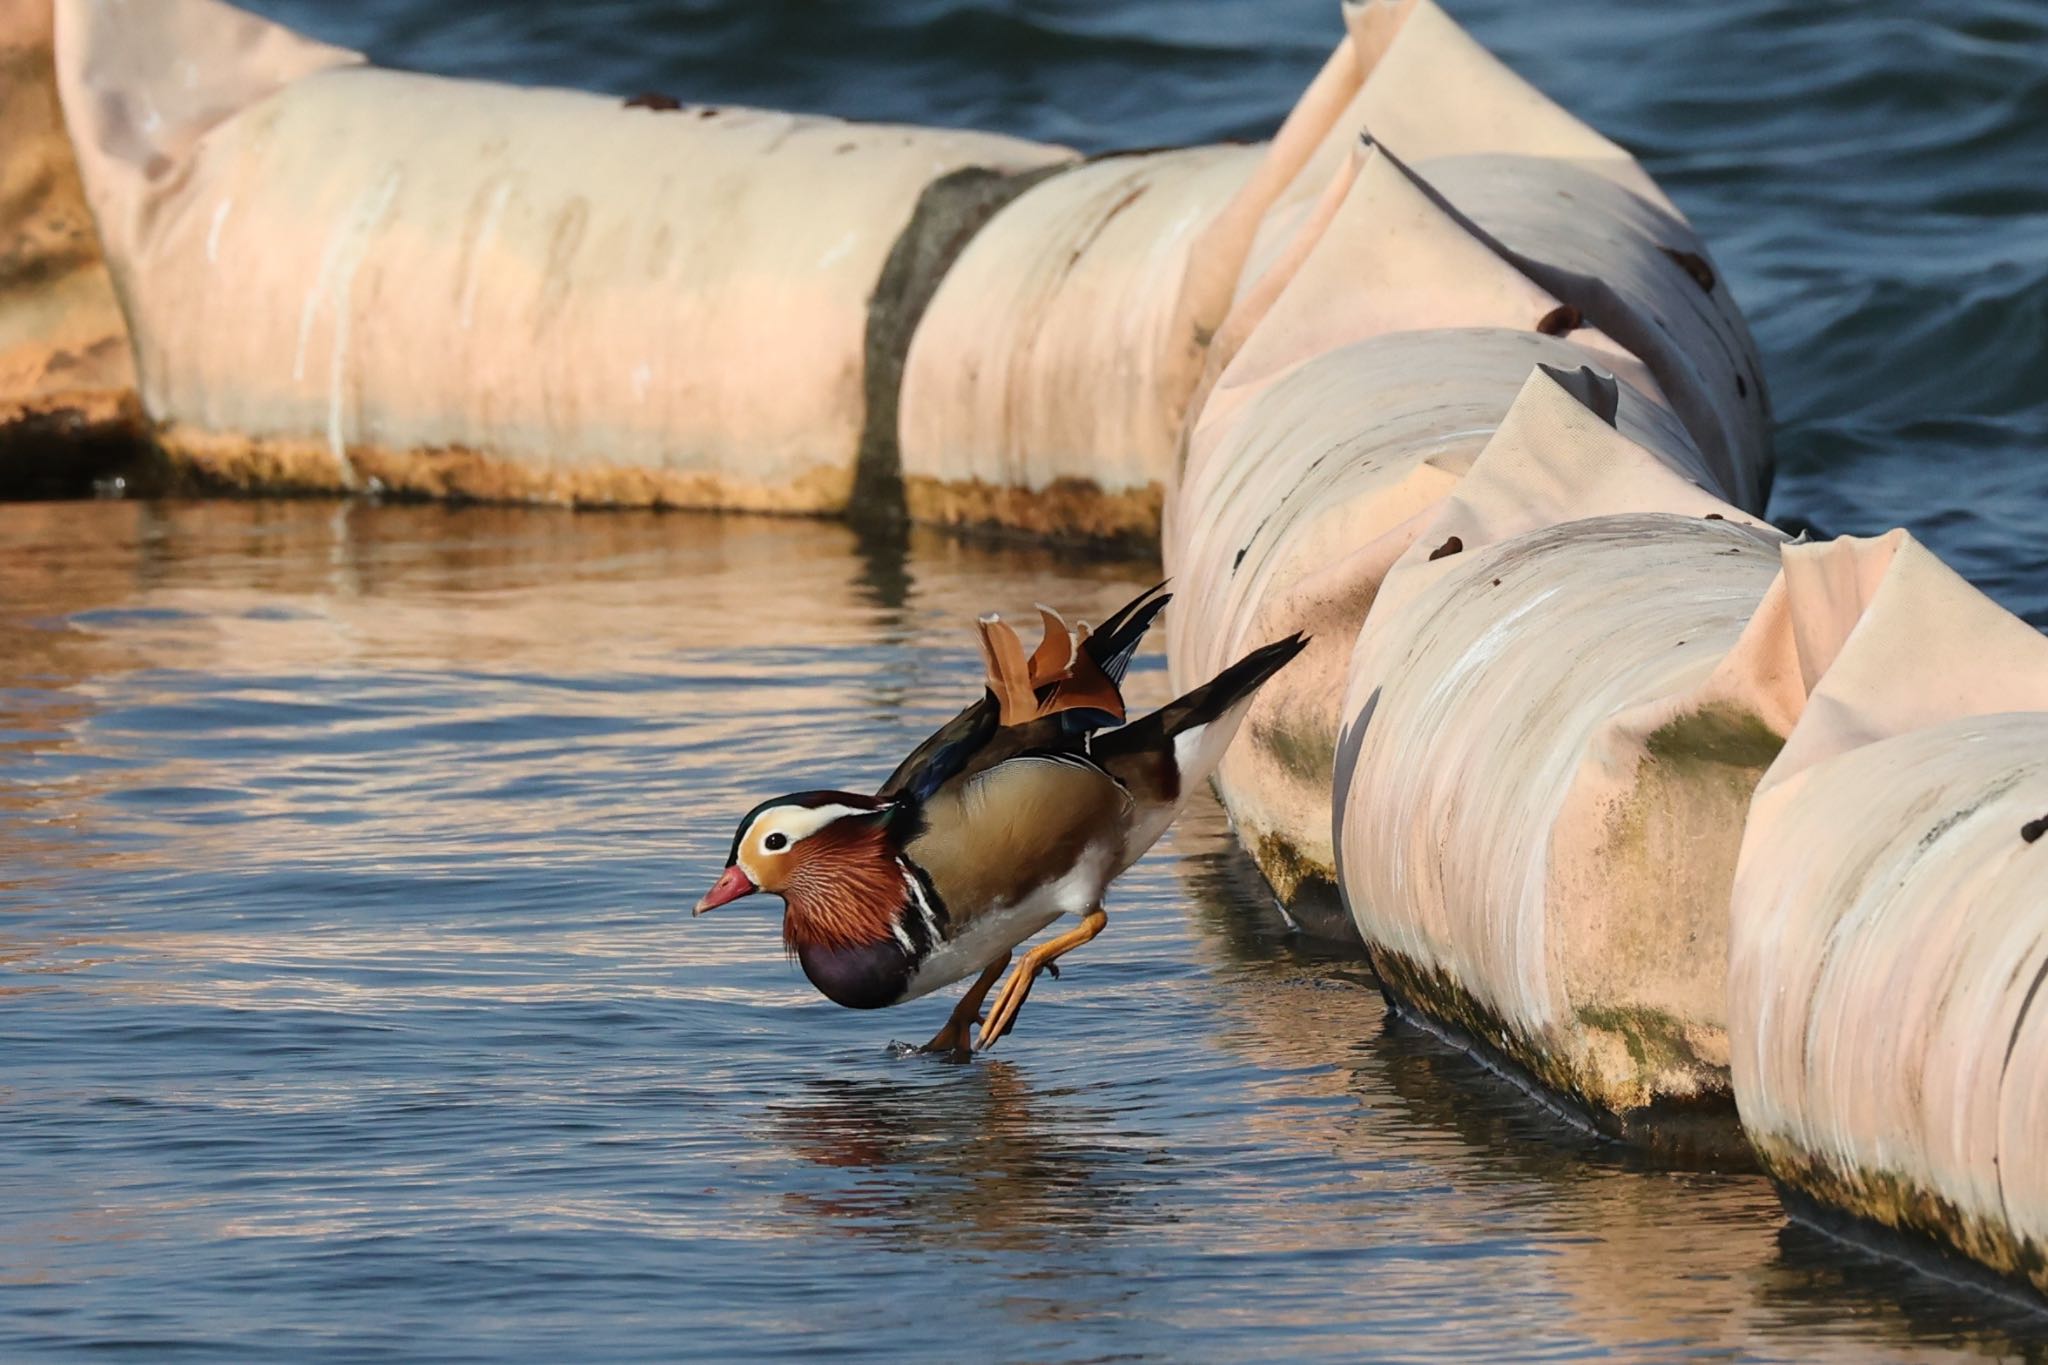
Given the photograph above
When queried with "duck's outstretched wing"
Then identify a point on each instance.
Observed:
(941, 757)
(1051, 701)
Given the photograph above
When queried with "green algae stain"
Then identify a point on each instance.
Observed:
(1655, 1040)
(1906, 1204)
(1667, 869)
(1305, 754)
(1719, 734)
(1693, 1130)
(1286, 868)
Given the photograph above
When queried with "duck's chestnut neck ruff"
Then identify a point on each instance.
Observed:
(845, 886)
(836, 860)
(857, 914)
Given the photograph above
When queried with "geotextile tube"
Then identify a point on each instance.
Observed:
(340, 277)
(1357, 392)
(1538, 794)
(1048, 381)
(67, 385)
(1888, 977)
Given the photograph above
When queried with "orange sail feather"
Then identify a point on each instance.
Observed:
(1058, 675)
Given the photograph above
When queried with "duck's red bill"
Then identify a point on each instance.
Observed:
(730, 887)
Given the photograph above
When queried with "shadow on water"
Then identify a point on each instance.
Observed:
(1440, 1086)
(883, 547)
(973, 1157)
(1820, 1274)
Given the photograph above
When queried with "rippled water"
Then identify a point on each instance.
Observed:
(349, 1000)
(352, 1002)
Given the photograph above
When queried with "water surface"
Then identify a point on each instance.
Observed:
(352, 1007)
(349, 1000)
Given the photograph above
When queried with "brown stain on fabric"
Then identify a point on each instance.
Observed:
(229, 462)
(563, 244)
(1068, 509)
(1101, 225)
(1693, 264)
(72, 385)
(472, 235)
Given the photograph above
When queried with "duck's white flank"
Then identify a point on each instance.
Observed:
(995, 932)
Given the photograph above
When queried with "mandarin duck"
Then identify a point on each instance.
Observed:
(1021, 809)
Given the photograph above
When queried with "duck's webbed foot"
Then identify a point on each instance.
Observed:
(1018, 988)
(956, 1039)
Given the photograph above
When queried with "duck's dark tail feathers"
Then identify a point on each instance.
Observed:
(1113, 644)
(1233, 685)
(1178, 733)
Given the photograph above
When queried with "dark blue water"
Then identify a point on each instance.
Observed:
(350, 1006)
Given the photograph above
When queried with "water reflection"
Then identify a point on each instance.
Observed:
(346, 974)
(1821, 1281)
(980, 1161)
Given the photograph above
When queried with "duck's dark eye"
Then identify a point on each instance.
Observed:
(776, 842)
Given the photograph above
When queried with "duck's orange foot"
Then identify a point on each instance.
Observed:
(1002, 1016)
(956, 1039)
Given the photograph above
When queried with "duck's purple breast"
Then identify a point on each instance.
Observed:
(863, 978)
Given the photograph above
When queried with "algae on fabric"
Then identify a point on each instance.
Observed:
(1897, 1201)
(1286, 868)
(217, 461)
(1647, 946)
(1720, 734)
(1067, 509)
(1310, 755)
(1656, 1041)
(1696, 1128)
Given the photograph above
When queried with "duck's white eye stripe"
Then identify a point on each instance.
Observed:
(800, 822)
